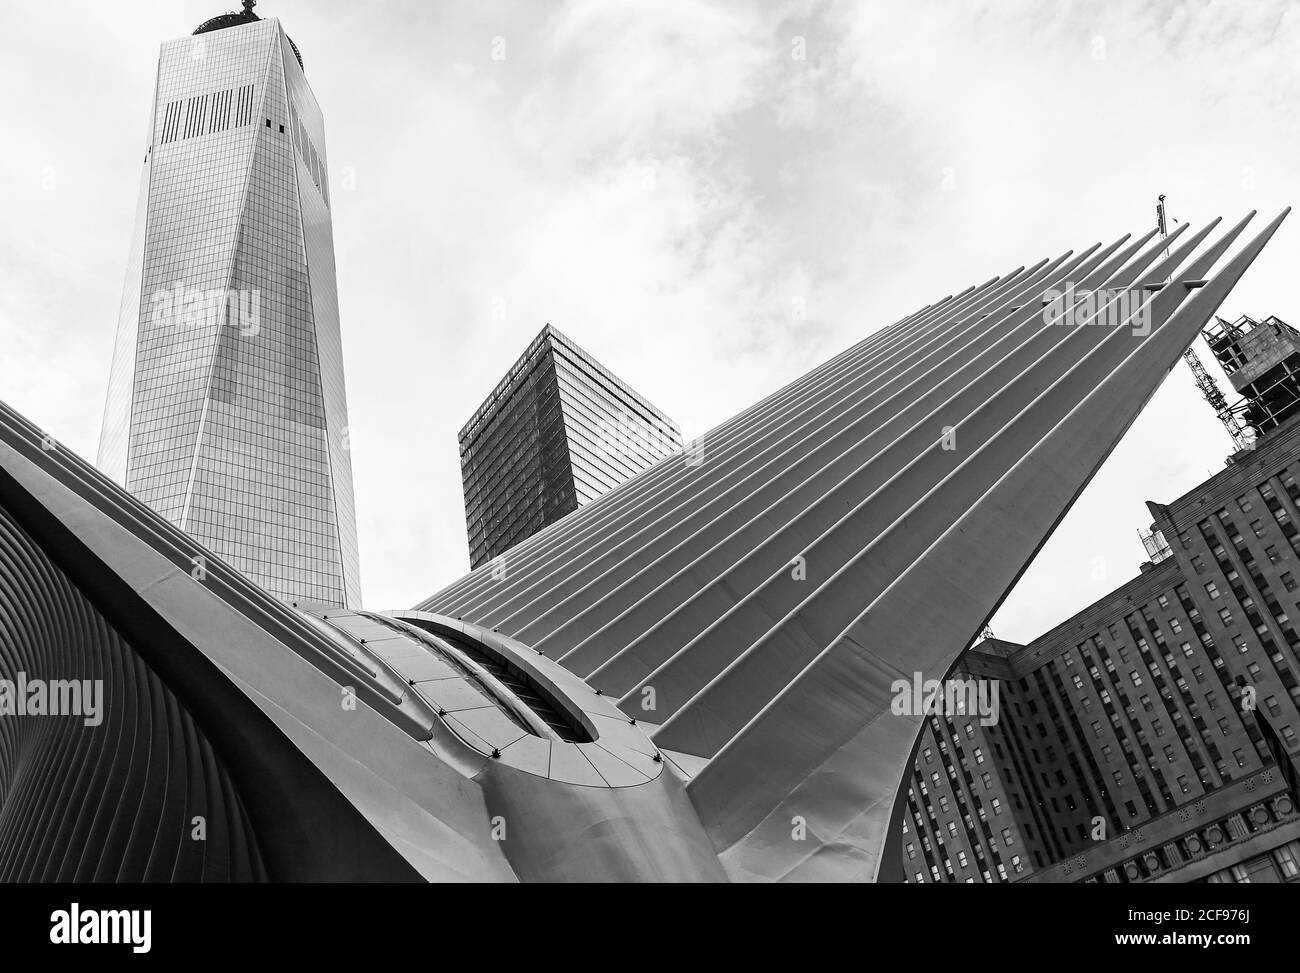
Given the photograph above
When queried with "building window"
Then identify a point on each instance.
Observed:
(1286, 860)
(979, 755)
(1006, 837)
(911, 850)
(1225, 616)
(1288, 582)
(1212, 589)
(997, 805)
(929, 755)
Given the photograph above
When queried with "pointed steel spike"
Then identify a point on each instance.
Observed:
(1202, 264)
(1169, 264)
(1118, 399)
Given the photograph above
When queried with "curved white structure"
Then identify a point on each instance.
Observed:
(689, 679)
(755, 597)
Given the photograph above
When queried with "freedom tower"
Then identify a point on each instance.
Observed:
(226, 410)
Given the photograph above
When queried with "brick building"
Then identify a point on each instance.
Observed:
(1152, 736)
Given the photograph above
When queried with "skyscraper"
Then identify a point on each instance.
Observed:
(225, 409)
(557, 432)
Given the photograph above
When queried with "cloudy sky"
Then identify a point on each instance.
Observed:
(664, 181)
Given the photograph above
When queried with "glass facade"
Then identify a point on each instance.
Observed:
(557, 432)
(226, 410)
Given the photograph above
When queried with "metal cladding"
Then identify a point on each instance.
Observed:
(100, 798)
(103, 589)
(755, 597)
(688, 679)
(330, 745)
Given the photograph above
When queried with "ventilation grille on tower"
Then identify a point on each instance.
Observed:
(201, 114)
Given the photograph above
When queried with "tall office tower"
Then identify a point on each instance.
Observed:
(225, 408)
(557, 432)
(1153, 736)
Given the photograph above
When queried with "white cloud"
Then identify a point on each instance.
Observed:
(664, 182)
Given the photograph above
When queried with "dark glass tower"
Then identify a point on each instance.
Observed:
(557, 432)
(226, 410)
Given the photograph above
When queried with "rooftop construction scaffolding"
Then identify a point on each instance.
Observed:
(1262, 361)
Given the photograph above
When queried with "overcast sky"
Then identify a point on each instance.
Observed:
(662, 181)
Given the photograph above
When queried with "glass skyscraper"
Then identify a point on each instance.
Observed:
(226, 410)
(557, 432)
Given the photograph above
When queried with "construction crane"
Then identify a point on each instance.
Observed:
(1209, 388)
